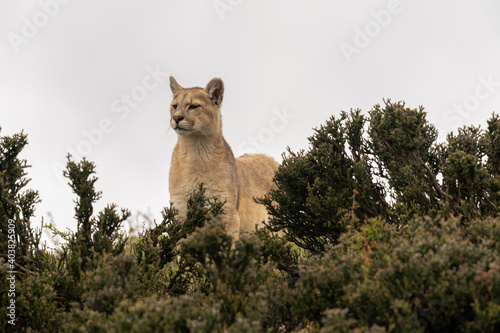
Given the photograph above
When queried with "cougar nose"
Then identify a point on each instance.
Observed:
(177, 119)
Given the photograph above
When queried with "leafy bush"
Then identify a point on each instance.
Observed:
(114, 280)
(322, 191)
(431, 276)
(37, 303)
(426, 260)
(158, 246)
(344, 177)
(17, 204)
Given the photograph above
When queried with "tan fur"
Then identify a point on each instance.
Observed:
(203, 156)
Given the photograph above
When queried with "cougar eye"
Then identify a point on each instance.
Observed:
(193, 106)
(174, 106)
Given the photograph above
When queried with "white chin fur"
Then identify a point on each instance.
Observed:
(181, 131)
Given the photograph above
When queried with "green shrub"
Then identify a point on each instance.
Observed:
(157, 247)
(96, 235)
(114, 280)
(37, 302)
(238, 276)
(426, 261)
(431, 276)
(322, 191)
(338, 320)
(17, 203)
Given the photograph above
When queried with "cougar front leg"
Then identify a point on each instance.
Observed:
(181, 207)
(232, 220)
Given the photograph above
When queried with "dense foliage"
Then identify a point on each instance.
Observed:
(352, 168)
(383, 229)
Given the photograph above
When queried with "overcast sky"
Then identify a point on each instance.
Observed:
(91, 78)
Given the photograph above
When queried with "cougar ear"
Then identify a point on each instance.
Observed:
(215, 90)
(174, 86)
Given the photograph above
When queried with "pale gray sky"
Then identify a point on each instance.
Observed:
(91, 77)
